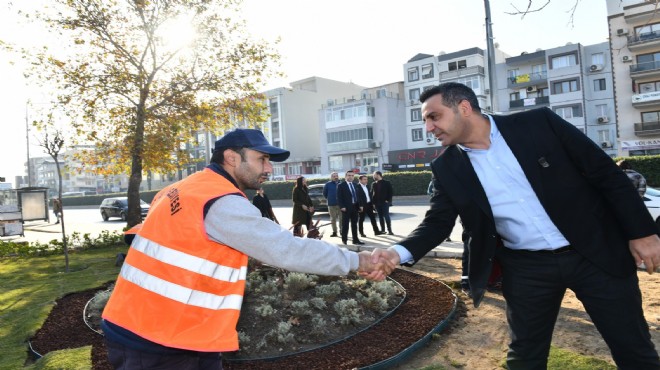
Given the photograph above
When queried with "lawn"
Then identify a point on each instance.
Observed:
(30, 286)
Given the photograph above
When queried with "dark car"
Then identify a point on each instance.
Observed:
(316, 193)
(118, 207)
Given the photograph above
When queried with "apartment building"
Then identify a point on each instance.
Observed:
(358, 132)
(294, 121)
(635, 43)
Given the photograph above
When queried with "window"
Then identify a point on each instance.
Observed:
(539, 71)
(563, 87)
(414, 95)
(471, 82)
(452, 66)
(569, 111)
(427, 70)
(562, 61)
(413, 74)
(599, 84)
(651, 116)
(514, 96)
(381, 93)
(598, 58)
(649, 87)
(416, 114)
(649, 31)
(601, 110)
(603, 135)
(417, 134)
(647, 62)
(336, 163)
(295, 169)
(350, 135)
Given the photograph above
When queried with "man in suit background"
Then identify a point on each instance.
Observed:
(544, 201)
(349, 205)
(381, 194)
(367, 207)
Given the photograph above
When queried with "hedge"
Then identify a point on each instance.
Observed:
(403, 183)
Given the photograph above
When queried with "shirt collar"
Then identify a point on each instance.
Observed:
(221, 171)
(494, 133)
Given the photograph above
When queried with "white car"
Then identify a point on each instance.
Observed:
(652, 201)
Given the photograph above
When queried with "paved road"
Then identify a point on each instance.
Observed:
(406, 213)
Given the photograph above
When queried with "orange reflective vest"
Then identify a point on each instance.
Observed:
(178, 288)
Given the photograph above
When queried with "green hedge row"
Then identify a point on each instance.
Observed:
(404, 183)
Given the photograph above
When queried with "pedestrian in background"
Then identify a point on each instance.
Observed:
(261, 201)
(367, 206)
(638, 181)
(381, 193)
(330, 194)
(350, 208)
(57, 209)
(303, 208)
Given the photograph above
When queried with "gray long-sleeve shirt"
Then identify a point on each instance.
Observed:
(232, 220)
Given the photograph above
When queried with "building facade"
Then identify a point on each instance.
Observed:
(635, 43)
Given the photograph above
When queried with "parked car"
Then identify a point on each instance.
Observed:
(316, 194)
(652, 201)
(118, 207)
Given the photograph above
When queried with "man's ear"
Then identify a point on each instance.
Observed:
(465, 107)
(230, 157)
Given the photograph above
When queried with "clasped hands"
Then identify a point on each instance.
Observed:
(378, 264)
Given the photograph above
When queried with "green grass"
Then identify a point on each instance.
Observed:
(28, 290)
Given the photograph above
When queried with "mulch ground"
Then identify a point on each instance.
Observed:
(428, 302)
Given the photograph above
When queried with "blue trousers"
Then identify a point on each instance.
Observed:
(125, 358)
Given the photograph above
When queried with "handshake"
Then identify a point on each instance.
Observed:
(378, 264)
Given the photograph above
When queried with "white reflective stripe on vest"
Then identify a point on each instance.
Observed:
(188, 262)
(180, 293)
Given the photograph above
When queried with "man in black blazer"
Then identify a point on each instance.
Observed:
(349, 205)
(544, 201)
(367, 206)
(381, 194)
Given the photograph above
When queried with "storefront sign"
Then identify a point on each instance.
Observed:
(640, 144)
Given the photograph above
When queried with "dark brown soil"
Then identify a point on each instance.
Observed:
(428, 302)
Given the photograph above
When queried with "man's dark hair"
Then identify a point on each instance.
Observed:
(379, 173)
(452, 94)
(362, 177)
(218, 156)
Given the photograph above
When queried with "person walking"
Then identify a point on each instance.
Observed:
(330, 194)
(178, 296)
(382, 193)
(261, 201)
(540, 198)
(303, 208)
(638, 181)
(57, 209)
(349, 205)
(367, 206)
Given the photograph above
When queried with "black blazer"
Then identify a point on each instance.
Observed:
(344, 196)
(361, 195)
(384, 192)
(588, 198)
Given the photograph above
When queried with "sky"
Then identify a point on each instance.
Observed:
(366, 42)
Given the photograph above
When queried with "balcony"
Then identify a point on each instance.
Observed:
(648, 69)
(646, 99)
(530, 102)
(527, 79)
(647, 128)
(469, 71)
(644, 40)
(350, 146)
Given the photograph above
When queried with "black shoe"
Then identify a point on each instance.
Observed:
(379, 233)
(362, 235)
(357, 242)
(344, 241)
(390, 233)
(448, 240)
(334, 235)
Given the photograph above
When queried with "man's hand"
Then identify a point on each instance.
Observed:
(389, 254)
(377, 270)
(646, 250)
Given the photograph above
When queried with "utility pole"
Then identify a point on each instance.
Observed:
(27, 139)
(491, 56)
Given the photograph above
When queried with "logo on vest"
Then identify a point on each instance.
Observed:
(175, 205)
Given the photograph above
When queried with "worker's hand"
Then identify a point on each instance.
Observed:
(374, 269)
